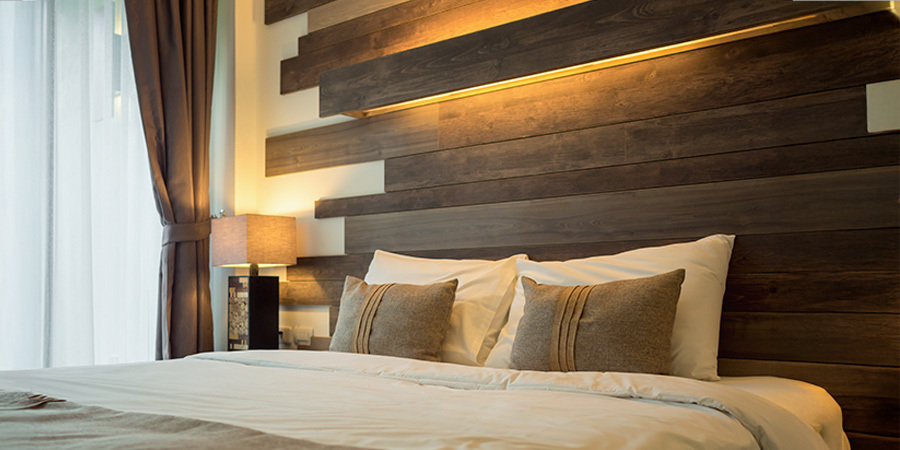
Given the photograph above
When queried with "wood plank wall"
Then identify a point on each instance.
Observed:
(408, 25)
(764, 138)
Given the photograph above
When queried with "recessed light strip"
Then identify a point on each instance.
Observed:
(855, 10)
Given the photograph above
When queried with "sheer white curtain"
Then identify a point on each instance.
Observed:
(80, 236)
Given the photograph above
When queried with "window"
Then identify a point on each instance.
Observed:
(79, 232)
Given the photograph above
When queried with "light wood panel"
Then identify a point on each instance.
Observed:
(276, 10)
(854, 199)
(830, 56)
(357, 141)
(566, 37)
(850, 154)
(302, 71)
(337, 11)
(814, 117)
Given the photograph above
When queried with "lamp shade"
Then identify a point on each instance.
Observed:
(254, 239)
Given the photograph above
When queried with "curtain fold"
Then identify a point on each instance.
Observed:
(173, 52)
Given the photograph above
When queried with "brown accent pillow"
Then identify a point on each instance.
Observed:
(402, 320)
(620, 326)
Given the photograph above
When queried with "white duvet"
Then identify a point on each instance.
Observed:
(385, 402)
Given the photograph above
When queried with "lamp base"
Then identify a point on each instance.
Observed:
(252, 313)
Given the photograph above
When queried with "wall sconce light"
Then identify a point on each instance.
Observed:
(253, 241)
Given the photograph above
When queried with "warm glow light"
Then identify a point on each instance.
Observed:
(761, 30)
(261, 266)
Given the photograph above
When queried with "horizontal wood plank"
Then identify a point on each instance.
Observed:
(863, 292)
(856, 199)
(370, 139)
(379, 20)
(310, 292)
(337, 11)
(871, 415)
(276, 10)
(876, 151)
(864, 441)
(817, 117)
(830, 56)
(578, 34)
(844, 380)
(869, 339)
(850, 251)
(329, 267)
(868, 251)
(303, 71)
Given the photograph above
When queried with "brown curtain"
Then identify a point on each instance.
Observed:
(173, 52)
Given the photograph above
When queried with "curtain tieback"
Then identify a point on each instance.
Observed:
(185, 232)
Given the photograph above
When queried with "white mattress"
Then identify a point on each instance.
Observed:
(384, 402)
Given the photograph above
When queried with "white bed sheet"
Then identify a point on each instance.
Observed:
(384, 402)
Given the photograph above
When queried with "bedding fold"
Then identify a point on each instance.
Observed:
(29, 420)
(772, 426)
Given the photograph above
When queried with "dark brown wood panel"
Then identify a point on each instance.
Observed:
(863, 441)
(808, 292)
(869, 339)
(376, 21)
(864, 292)
(302, 71)
(856, 199)
(815, 117)
(329, 267)
(868, 396)
(282, 9)
(870, 415)
(356, 141)
(874, 151)
(830, 56)
(835, 251)
(842, 380)
(318, 292)
(570, 36)
(795, 253)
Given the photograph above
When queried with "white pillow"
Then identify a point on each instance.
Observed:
(485, 291)
(695, 338)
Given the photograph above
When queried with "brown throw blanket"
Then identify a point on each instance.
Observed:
(37, 421)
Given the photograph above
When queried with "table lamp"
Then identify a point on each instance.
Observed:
(254, 241)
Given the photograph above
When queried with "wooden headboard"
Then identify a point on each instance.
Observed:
(763, 138)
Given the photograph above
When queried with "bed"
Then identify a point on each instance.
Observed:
(376, 401)
(473, 387)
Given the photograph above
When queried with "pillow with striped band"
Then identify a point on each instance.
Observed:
(404, 320)
(619, 326)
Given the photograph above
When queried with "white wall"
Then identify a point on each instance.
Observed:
(248, 108)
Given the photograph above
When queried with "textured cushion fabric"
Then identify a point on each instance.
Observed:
(483, 297)
(695, 337)
(620, 326)
(403, 320)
